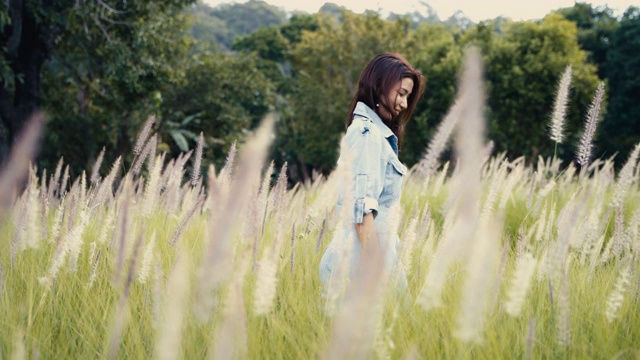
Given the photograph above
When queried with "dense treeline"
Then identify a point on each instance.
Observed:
(102, 68)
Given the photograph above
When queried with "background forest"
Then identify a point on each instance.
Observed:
(101, 68)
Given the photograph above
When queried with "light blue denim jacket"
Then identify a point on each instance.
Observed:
(378, 172)
(376, 185)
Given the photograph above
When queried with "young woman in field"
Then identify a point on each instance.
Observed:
(388, 90)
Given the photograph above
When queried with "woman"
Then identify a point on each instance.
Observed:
(388, 90)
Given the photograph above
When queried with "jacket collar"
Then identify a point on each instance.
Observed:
(363, 110)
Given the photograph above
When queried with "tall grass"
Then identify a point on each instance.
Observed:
(154, 264)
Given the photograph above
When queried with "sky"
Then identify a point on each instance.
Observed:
(476, 10)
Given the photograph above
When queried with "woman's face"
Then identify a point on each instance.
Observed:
(398, 99)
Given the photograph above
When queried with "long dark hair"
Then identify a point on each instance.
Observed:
(376, 81)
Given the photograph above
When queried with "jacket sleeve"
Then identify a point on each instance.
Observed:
(364, 148)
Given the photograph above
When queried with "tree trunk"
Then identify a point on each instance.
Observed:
(28, 44)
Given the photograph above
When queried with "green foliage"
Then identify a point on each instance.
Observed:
(273, 45)
(221, 25)
(297, 25)
(622, 120)
(267, 42)
(94, 103)
(523, 68)
(224, 96)
(114, 64)
(595, 29)
(334, 11)
(209, 31)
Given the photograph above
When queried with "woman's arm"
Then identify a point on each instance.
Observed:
(367, 231)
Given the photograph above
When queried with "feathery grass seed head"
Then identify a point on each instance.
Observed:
(593, 116)
(560, 107)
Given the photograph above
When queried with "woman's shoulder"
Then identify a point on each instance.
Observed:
(362, 124)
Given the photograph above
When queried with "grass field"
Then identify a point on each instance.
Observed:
(508, 260)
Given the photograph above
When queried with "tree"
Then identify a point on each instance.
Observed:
(104, 78)
(272, 45)
(622, 120)
(78, 84)
(523, 67)
(595, 29)
(226, 22)
(28, 30)
(224, 96)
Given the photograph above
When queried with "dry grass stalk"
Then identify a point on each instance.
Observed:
(22, 152)
(172, 181)
(266, 285)
(258, 212)
(180, 229)
(94, 268)
(156, 299)
(75, 241)
(560, 107)
(33, 208)
(63, 182)
(105, 190)
(354, 329)
(147, 260)
(144, 133)
(216, 265)
(167, 344)
(408, 242)
(231, 338)
(197, 162)
(497, 284)
(54, 182)
(152, 187)
(57, 222)
(19, 348)
(563, 320)
(148, 151)
(530, 339)
(121, 316)
(586, 140)
(123, 228)
(616, 299)
(520, 284)
(44, 213)
(267, 280)
(481, 273)
(625, 177)
(321, 234)
(226, 174)
(620, 239)
(263, 195)
(293, 240)
(95, 171)
(429, 162)
(1, 277)
(469, 145)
